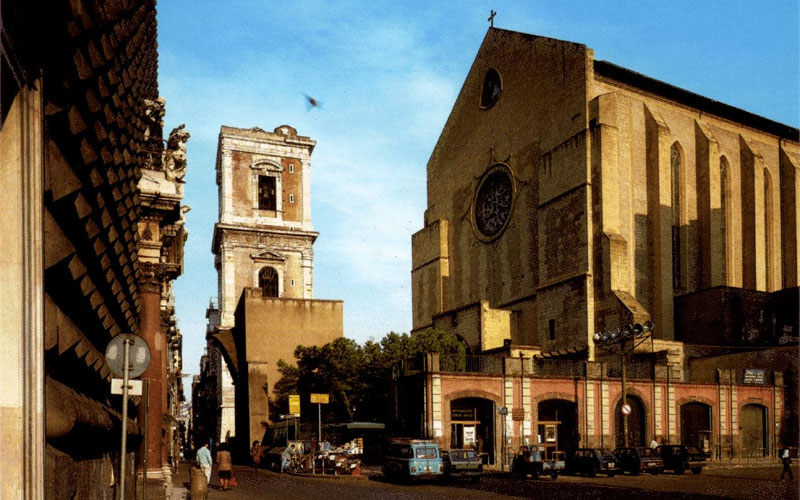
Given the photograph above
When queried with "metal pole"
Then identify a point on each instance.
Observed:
(125, 368)
(624, 398)
(146, 412)
(319, 424)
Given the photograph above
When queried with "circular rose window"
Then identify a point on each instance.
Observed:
(493, 202)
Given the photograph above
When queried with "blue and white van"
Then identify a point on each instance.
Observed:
(413, 459)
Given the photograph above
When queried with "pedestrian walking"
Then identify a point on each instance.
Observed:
(224, 463)
(204, 460)
(255, 454)
(787, 465)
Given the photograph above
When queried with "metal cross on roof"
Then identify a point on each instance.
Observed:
(491, 18)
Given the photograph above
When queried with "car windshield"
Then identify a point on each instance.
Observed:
(605, 453)
(427, 452)
(647, 453)
(692, 449)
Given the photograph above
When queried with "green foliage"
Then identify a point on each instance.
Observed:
(356, 377)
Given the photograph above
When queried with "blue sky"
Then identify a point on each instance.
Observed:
(387, 74)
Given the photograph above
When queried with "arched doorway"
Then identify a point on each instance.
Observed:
(472, 424)
(557, 428)
(754, 430)
(696, 425)
(636, 428)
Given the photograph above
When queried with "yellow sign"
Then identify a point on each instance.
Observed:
(294, 404)
(319, 398)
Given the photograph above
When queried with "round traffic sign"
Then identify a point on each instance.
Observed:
(138, 355)
(626, 409)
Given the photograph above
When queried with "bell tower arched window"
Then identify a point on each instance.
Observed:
(268, 282)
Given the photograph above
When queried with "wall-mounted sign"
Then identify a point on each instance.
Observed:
(462, 414)
(503, 410)
(319, 398)
(469, 435)
(517, 414)
(550, 433)
(754, 376)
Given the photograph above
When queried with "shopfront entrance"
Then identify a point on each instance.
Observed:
(472, 426)
(754, 431)
(696, 425)
(636, 426)
(557, 425)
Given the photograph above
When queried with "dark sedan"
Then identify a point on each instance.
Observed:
(678, 458)
(638, 460)
(592, 461)
(462, 463)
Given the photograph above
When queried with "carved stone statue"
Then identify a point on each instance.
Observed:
(154, 113)
(175, 155)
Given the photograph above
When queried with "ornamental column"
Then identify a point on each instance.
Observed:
(153, 403)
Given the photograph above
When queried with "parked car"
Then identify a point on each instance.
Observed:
(592, 461)
(532, 461)
(637, 460)
(678, 458)
(462, 463)
(412, 459)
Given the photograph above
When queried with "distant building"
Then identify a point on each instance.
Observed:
(215, 415)
(568, 196)
(264, 258)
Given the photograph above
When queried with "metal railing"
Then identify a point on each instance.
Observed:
(635, 370)
(490, 365)
(558, 368)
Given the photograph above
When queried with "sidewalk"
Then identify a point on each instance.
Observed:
(181, 481)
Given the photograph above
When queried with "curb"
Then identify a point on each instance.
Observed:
(327, 476)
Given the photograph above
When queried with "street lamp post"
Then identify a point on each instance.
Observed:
(622, 342)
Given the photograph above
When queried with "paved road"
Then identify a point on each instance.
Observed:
(739, 484)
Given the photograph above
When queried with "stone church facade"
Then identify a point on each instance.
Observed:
(568, 196)
(264, 258)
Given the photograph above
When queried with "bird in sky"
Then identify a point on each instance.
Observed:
(312, 103)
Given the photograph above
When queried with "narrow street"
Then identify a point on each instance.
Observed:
(738, 484)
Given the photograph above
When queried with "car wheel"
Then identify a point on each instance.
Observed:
(554, 475)
(696, 470)
(635, 473)
(535, 474)
(679, 471)
(612, 474)
(592, 472)
(654, 472)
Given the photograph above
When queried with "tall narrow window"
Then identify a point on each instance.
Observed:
(768, 230)
(724, 220)
(267, 199)
(552, 326)
(268, 282)
(675, 175)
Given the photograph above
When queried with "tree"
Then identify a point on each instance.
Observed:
(357, 377)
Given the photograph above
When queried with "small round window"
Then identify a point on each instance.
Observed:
(491, 88)
(493, 202)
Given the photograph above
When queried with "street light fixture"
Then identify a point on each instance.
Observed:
(622, 342)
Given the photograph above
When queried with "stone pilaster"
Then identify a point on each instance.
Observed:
(436, 402)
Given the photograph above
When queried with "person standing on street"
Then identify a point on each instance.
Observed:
(787, 464)
(204, 460)
(224, 462)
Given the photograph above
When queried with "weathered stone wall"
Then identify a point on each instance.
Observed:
(270, 330)
(95, 64)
